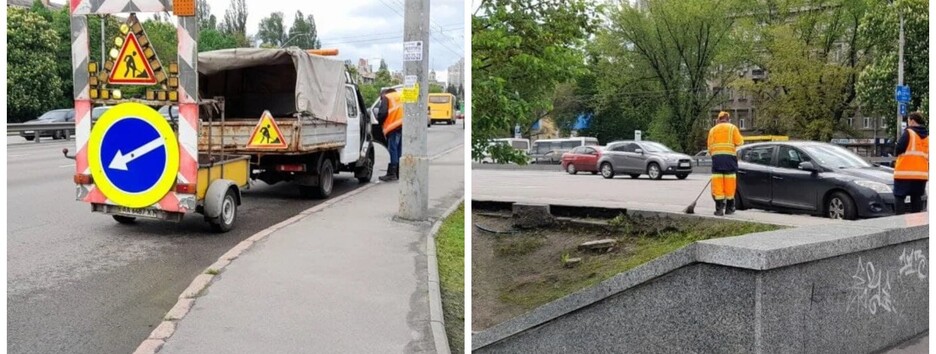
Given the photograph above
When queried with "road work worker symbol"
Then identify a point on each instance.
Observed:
(133, 155)
(132, 68)
(267, 134)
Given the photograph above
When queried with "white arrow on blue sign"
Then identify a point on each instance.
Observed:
(902, 93)
(134, 154)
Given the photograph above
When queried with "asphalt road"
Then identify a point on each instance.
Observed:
(668, 195)
(79, 282)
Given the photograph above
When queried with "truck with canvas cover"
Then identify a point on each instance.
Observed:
(298, 115)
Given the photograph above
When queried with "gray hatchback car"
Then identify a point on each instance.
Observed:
(635, 158)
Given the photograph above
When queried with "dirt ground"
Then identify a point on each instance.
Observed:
(514, 272)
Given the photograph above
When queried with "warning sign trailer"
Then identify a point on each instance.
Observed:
(132, 162)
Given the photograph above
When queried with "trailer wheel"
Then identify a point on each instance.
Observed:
(225, 221)
(125, 219)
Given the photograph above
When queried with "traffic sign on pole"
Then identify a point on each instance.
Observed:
(903, 108)
(902, 93)
(133, 155)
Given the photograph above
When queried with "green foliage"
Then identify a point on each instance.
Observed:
(370, 92)
(271, 32)
(235, 22)
(684, 45)
(880, 30)
(303, 33)
(520, 51)
(813, 60)
(164, 39)
(435, 88)
(212, 39)
(206, 20)
(34, 84)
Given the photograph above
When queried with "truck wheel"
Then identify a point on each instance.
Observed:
(225, 221)
(366, 172)
(125, 219)
(326, 178)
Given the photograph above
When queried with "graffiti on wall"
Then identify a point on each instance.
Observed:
(913, 262)
(871, 289)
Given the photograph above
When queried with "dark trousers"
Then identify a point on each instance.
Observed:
(395, 146)
(913, 188)
(916, 204)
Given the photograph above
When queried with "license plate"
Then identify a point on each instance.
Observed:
(683, 164)
(146, 213)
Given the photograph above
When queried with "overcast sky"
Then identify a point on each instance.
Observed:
(365, 28)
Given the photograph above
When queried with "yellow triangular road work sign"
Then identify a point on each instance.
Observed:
(132, 67)
(267, 134)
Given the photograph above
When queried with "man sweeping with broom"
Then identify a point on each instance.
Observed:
(723, 140)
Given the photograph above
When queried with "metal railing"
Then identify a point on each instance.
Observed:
(38, 128)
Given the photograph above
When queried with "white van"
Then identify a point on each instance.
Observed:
(551, 150)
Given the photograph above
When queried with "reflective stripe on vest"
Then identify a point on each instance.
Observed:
(394, 113)
(913, 164)
(723, 148)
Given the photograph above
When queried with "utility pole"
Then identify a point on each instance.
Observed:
(900, 73)
(414, 164)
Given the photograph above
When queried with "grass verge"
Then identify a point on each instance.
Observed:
(512, 274)
(450, 248)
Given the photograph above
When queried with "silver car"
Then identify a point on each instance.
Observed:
(635, 158)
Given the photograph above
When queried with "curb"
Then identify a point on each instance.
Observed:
(200, 284)
(436, 315)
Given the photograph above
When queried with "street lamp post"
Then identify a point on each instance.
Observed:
(900, 72)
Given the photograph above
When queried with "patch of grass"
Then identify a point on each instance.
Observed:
(213, 271)
(640, 240)
(450, 248)
(518, 246)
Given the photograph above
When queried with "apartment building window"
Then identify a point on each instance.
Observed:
(883, 122)
(851, 122)
(741, 123)
(867, 123)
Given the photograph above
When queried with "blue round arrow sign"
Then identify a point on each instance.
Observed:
(133, 155)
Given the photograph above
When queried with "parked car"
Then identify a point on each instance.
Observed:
(702, 158)
(813, 178)
(582, 159)
(551, 150)
(635, 158)
(50, 117)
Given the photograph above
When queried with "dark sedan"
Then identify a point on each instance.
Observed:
(52, 117)
(814, 178)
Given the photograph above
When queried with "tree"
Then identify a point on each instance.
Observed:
(812, 52)
(521, 50)
(876, 82)
(303, 33)
(435, 88)
(164, 39)
(212, 39)
(235, 22)
(33, 83)
(271, 30)
(206, 20)
(682, 43)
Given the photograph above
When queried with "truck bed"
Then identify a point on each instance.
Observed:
(301, 138)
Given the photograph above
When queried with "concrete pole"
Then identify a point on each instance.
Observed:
(414, 164)
(103, 57)
(900, 73)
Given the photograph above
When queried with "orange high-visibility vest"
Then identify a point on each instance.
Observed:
(913, 163)
(723, 139)
(394, 113)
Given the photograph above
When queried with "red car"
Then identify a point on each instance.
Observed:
(582, 159)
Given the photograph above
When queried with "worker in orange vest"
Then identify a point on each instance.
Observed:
(723, 140)
(912, 168)
(390, 117)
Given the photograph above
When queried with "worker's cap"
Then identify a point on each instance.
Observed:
(723, 115)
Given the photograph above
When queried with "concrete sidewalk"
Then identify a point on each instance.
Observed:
(345, 279)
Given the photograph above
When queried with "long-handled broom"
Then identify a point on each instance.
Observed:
(691, 208)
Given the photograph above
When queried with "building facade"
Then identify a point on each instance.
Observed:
(456, 73)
